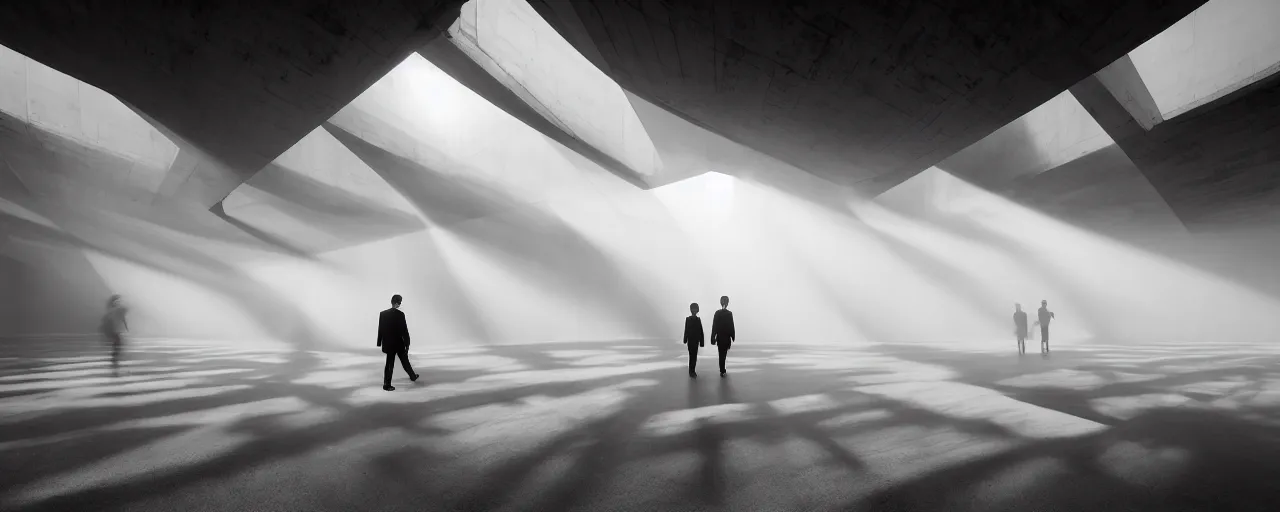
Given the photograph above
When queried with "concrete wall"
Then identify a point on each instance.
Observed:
(48, 290)
(66, 107)
(179, 271)
(1174, 286)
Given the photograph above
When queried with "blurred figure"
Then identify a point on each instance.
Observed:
(114, 324)
(692, 333)
(1020, 327)
(393, 337)
(722, 333)
(1043, 321)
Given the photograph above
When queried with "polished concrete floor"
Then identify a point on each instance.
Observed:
(619, 426)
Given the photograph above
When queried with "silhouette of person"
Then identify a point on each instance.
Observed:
(393, 337)
(722, 333)
(114, 324)
(1020, 327)
(693, 333)
(1043, 321)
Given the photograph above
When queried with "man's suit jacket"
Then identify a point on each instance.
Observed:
(393, 332)
(693, 332)
(1045, 316)
(722, 332)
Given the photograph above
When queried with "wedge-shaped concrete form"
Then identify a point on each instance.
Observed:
(1218, 163)
(240, 82)
(507, 53)
(55, 129)
(861, 92)
(318, 196)
(1054, 134)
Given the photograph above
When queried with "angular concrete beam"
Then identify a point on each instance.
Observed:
(1217, 163)
(1106, 109)
(194, 175)
(1123, 128)
(1126, 85)
(199, 178)
(444, 54)
(241, 82)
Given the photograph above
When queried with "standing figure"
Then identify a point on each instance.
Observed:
(1044, 317)
(1020, 327)
(722, 333)
(114, 324)
(393, 337)
(693, 337)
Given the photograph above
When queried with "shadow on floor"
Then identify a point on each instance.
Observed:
(557, 427)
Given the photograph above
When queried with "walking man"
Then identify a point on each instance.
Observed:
(393, 337)
(114, 324)
(722, 333)
(1044, 317)
(1020, 327)
(693, 337)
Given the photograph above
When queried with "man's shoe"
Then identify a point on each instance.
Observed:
(415, 377)
(693, 375)
(388, 387)
(723, 373)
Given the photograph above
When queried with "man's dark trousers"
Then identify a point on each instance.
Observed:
(403, 354)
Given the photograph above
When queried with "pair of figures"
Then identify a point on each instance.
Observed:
(722, 334)
(1020, 326)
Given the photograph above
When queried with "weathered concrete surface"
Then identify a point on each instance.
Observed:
(517, 48)
(1125, 83)
(1055, 133)
(1221, 47)
(445, 55)
(241, 81)
(1216, 164)
(859, 92)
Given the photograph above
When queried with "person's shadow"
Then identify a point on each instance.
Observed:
(726, 393)
(708, 440)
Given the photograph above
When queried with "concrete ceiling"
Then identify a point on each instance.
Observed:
(864, 93)
(236, 82)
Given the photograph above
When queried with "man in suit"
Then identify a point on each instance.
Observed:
(1044, 317)
(722, 333)
(1020, 327)
(692, 335)
(393, 337)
